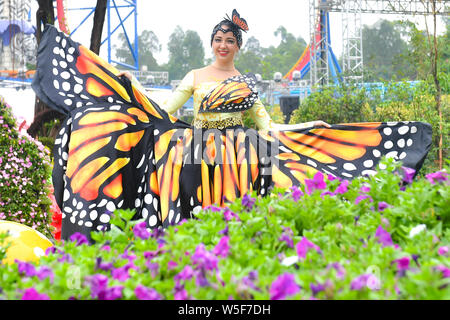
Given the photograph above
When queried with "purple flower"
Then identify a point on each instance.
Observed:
(140, 231)
(149, 255)
(326, 193)
(153, 267)
(330, 177)
(223, 247)
(408, 174)
(382, 206)
(185, 274)
(363, 197)
(112, 293)
(45, 272)
(296, 193)
(249, 281)
(224, 231)
(437, 177)
(445, 271)
(343, 187)
(402, 263)
(285, 237)
(50, 250)
(316, 288)
(204, 259)
(229, 215)
(26, 268)
(383, 237)
(144, 293)
(303, 247)
(79, 238)
(316, 183)
(32, 294)
(442, 251)
(171, 265)
(340, 270)
(105, 266)
(65, 258)
(365, 280)
(213, 208)
(248, 201)
(180, 292)
(99, 283)
(283, 286)
(121, 273)
(365, 189)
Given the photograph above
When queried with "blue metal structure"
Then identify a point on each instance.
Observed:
(118, 12)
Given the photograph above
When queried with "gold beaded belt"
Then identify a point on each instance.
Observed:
(220, 124)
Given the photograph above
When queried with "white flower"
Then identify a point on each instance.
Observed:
(416, 230)
(289, 261)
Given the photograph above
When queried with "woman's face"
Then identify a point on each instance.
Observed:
(224, 45)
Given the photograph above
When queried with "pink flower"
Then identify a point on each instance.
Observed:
(296, 193)
(229, 215)
(185, 274)
(223, 247)
(283, 286)
(343, 187)
(316, 183)
(445, 271)
(408, 174)
(303, 247)
(363, 197)
(365, 280)
(204, 259)
(442, 251)
(382, 206)
(402, 263)
(437, 177)
(383, 237)
(144, 293)
(140, 231)
(32, 294)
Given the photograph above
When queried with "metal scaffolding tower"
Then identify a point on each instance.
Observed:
(352, 11)
(118, 13)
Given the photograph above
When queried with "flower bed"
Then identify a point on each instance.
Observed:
(25, 172)
(369, 238)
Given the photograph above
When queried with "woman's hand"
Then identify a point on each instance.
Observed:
(320, 123)
(126, 74)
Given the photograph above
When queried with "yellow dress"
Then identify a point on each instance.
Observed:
(187, 88)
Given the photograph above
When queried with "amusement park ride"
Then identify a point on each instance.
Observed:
(318, 60)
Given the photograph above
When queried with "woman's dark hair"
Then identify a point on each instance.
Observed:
(231, 27)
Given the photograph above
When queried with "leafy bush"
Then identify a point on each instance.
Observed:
(369, 238)
(274, 112)
(334, 105)
(25, 172)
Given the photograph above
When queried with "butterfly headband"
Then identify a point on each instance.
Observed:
(235, 24)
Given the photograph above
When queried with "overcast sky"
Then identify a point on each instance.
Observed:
(263, 18)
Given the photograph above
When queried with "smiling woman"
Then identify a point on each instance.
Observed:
(117, 149)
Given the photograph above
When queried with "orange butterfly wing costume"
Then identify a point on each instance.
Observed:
(117, 149)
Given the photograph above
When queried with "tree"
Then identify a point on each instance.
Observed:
(186, 52)
(384, 51)
(148, 45)
(250, 57)
(282, 58)
(97, 28)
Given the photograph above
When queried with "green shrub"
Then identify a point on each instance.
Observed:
(25, 172)
(334, 105)
(274, 112)
(370, 238)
